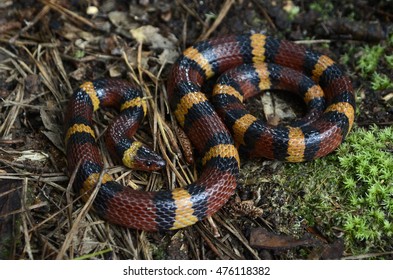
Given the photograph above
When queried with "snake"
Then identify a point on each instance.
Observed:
(217, 124)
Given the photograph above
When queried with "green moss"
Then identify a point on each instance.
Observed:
(79, 54)
(159, 252)
(389, 61)
(375, 64)
(370, 58)
(351, 190)
(381, 81)
(324, 8)
(210, 16)
(292, 11)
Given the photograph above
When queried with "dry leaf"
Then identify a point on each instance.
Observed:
(150, 35)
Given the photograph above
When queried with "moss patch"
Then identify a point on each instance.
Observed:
(349, 193)
(375, 64)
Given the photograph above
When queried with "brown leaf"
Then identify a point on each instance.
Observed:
(262, 239)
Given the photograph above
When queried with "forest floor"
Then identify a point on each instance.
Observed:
(49, 47)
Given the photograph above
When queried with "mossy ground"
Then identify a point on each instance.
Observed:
(48, 48)
(376, 64)
(348, 194)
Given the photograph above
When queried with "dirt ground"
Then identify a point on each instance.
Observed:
(49, 47)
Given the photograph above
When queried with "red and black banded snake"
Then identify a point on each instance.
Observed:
(258, 62)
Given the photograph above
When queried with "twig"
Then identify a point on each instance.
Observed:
(224, 11)
(40, 15)
(78, 219)
(265, 14)
(367, 256)
(191, 12)
(73, 16)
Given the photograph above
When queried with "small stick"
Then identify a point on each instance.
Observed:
(224, 11)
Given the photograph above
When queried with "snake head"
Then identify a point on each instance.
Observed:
(140, 157)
